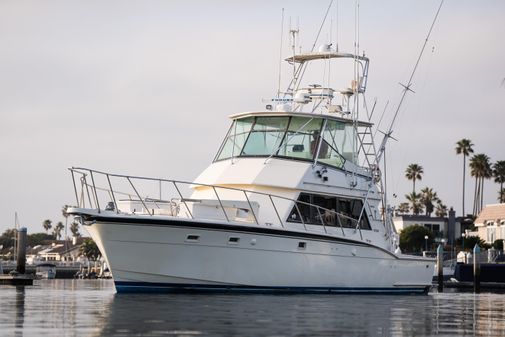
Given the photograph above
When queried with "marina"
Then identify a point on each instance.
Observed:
(245, 169)
(92, 308)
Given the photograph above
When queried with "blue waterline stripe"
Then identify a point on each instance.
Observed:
(143, 287)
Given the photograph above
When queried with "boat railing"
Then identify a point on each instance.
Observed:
(103, 191)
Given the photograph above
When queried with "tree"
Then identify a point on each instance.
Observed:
(428, 197)
(65, 215)
(89, 249)
(471, 241)
(498, 244)
(57, 230)
(480, 168)
(414, 172)
(464, 147)
(36, 239)
(403, 208)
(415, 202)
(7, 238)
(412, 238)
(47, 225)
(441, 209)
(499, 177)
(74, 229)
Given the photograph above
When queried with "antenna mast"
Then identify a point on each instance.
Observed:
(280, 56)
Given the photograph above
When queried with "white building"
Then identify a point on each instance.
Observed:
(491, 223)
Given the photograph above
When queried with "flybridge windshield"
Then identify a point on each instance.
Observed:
(297, 137)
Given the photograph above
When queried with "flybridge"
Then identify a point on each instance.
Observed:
(322, 98)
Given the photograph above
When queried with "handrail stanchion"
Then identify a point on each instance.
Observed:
(276, 212)
(138, 195)
(250, 206)
(183, 200)
(300, 215)
(112, 193)
(84, 181)
(75, 187)
(222, 207)
(322, 220)
(94, 190)
(340, 224)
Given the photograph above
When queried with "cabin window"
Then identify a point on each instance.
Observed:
(329, 210)
(302, 245)
(237, 135)
(329, 151)
(266, 136)
(192, 237)
(302, 138)
(297, 137)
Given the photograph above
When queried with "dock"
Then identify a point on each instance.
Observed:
(16, 280)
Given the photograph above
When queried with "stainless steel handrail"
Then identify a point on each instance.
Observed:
(85, 171)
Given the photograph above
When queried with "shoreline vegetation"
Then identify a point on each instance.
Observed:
(481, 168)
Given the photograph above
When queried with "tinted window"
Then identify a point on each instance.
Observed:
(332, 211)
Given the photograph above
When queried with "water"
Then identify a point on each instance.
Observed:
(91, 308)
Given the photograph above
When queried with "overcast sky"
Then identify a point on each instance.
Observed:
(145, 87)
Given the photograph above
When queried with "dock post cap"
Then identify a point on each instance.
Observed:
(440, 248)
(476, 249)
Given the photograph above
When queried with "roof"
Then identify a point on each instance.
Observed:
(420, 218)
(494, 212)
(302, 114)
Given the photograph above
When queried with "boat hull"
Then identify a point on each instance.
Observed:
(166, 256)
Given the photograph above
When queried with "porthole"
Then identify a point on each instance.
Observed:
(233, 240)
(302, 245)
(193, 237)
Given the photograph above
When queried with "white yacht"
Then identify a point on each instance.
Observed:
(292, 202)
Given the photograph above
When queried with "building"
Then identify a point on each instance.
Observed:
(490, 223)
(448, 228)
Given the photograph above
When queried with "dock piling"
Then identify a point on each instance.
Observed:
(21, 251)
(476, 269)
(440, 268)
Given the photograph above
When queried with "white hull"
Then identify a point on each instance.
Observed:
(157, 256)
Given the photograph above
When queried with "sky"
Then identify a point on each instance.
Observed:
(146, 87)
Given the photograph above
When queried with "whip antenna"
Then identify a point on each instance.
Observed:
(406, 88)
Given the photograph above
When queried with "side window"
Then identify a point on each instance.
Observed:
(236, 138)
(332, 211)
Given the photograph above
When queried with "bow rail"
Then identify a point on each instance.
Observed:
(95, 189)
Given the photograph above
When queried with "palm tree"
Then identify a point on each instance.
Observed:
(499, 177)
(74, 229)
(65, 215)
(414, 172)
(57, 230)
(47, 225)
(403, 208)
(428, 197)
(415, 201)
(501, 195)
(480, 168)
(441, 210)
(464, 146)
(90, 250)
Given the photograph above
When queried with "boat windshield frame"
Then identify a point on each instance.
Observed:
(328, 140)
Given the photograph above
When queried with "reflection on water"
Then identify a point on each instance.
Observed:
(90, 308)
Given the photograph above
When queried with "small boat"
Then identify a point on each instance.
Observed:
(292, 202)
(45, 271)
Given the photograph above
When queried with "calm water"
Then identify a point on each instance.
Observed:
(90, 308)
